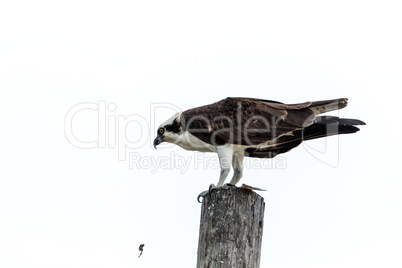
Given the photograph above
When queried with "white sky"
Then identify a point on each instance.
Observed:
(62, 206)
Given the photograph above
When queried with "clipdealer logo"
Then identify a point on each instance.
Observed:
(112, 128)
(197, 160)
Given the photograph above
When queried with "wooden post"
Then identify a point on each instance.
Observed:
(231, 229)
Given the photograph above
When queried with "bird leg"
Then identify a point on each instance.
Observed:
(225, 155)
(237, 164)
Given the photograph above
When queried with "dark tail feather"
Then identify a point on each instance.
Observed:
(336, 120)
(330, 125)
(323, 126)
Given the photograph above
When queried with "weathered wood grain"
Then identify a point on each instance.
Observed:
(231, 229)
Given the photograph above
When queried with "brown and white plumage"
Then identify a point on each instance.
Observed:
(239, 127)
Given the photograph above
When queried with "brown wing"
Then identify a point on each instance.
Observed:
(246, 121)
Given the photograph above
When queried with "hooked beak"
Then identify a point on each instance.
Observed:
(158, 140)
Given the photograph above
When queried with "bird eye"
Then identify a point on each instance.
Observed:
(161, 130)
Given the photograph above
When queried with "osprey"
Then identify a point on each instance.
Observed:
(239, 127)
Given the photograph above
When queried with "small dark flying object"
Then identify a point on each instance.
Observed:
(239, 127)
(141, 249)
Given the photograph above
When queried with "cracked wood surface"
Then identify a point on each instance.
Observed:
(231, 229)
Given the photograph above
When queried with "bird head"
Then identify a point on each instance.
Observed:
(169, 131)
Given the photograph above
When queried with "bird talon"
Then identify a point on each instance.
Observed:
(228, 185)
(199, 196)
(211, 187)
(202, 194)
(207, 192)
